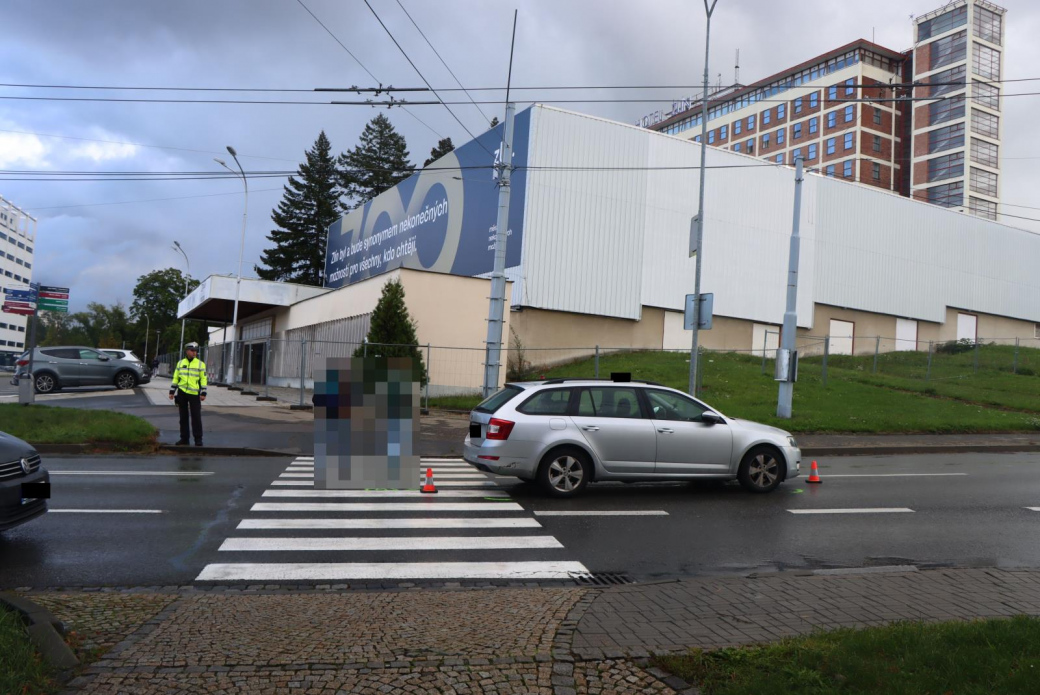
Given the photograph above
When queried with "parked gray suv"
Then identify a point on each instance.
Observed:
(59, 367)
(565, 433)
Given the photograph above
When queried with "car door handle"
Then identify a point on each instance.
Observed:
(665, 430)
(591, 428)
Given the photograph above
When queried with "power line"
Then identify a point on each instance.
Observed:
(443, 62)
(343, 46)
(421, 76)
(143, 200)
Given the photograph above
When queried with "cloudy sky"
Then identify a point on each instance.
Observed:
(98, 237)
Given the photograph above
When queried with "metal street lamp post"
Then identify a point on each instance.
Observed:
(147, 330)
(177, 247)
(235, 332)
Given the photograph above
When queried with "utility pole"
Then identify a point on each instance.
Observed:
(789, 338)
(496, 308)
(692, 389)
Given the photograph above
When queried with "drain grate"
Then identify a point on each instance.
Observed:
(601, 578)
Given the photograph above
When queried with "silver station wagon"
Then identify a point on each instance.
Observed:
(566, 433)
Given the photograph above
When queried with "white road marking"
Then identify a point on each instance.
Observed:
(299, 483)
(438, 483)
(106, 511)
(891, 475)
(386, 507)
(174, 473)
(419, 523)
(369, 494)
(1033, 509)
(296, 475)
(619, 512)
(389, 570)
(457, 476)
(864, 510)
(393, 543)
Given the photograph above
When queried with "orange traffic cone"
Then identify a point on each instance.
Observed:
(814, 474)
(428, 486)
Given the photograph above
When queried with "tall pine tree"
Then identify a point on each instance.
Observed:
(309, 205)
(378, 163)
(391, 331)
(443, 147)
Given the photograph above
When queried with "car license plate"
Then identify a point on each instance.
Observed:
(474, 430)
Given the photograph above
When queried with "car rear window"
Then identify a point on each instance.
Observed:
(499, 399)
(548, 402)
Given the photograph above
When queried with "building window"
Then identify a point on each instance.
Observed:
(711, 137)
(984, 123)
(830, 145)
(945, 110)
(832, 119)
(948, 166)
(736, 148)
(812, 151)
(796, 154)
(985, 62)
(947, 138)
(847, 169)
(877, 116)
(984, 182)
(780, 137)
(848, 141)
(948, 50)
(796, 131)
(876, 144)
(797, 105)
(849, 88)
(947, 81)
(832, 93)
(987, 25)
(723, 132)
(986, 95)
(765, 141)
(830, 170)
(781, 112)
(949, 195)
(850, 113)
(983, 208)
(696, 138)
(814, 100)
(19, 261)
(984, 152)
(937, 25)
(751, 146)
(736, 128)
(750, 122)
(765, 116)
(876, 171)
(813, 124)
(780, 158)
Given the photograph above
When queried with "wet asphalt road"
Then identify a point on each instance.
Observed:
(977, 517)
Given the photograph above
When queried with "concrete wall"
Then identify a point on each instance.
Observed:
(556, 337)
(726, 333)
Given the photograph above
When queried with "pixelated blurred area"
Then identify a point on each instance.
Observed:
(366, 423)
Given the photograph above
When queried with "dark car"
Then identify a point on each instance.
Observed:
(24, 483)
(62, 366)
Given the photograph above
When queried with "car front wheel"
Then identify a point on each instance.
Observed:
(761, 470)
(125, 380)
(565, 472)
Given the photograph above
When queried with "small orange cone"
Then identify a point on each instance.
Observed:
(814, 474)
(428, 486)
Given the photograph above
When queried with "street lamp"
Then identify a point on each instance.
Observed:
(241, 253)
(177, 247)
(147, 329)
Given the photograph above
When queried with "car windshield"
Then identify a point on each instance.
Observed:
(499, 399)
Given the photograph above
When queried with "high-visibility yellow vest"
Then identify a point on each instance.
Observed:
(190, 377)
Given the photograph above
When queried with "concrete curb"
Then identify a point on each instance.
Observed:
(44, 630)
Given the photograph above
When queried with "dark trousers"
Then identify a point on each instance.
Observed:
(187, 402)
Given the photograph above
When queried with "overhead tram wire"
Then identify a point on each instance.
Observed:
(421, 76)
(443, 62)
(343, 46)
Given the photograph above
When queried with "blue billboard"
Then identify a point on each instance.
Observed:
(442, 218)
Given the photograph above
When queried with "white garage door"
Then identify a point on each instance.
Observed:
(841, 337)
(765, 337)
(967, 327)
(906, 334)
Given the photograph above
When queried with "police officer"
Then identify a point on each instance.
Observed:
(189, 387)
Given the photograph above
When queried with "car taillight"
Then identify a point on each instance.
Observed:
(499, 429)
(22, 363)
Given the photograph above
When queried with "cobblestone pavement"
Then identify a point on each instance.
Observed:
(673, 616)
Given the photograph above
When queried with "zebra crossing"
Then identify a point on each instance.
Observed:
(470, 530)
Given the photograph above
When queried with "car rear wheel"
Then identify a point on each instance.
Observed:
(761, 470)
(565, 472)
(45, 383)
(125, 380)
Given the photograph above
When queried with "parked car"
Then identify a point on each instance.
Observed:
(58, 367)
(566, 433)
(19, 464)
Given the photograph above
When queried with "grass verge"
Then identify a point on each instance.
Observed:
(22, 669)
(41, 424)
(968, 658)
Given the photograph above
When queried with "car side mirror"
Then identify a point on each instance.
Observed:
(710, 418)
(104, 358)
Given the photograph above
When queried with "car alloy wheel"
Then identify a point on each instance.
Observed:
(44, 383)
(566, 474)
(761, 470)
(125, 381)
